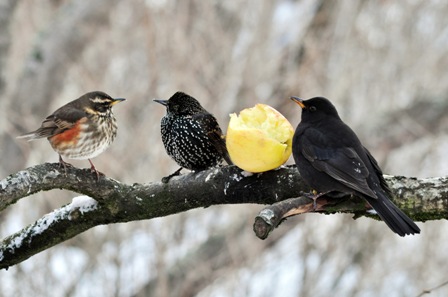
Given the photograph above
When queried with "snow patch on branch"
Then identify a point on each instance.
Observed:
(84, 204)
(21, 179)
(226, 186)
(47, 220)
(51, 175)
(246, 173)
(211, 174)
(27, 234)
(236, 177)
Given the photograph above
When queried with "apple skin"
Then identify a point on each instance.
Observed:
(259, 138)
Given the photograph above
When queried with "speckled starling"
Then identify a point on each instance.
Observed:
(191, 135)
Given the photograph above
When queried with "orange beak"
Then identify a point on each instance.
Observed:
(298, 101)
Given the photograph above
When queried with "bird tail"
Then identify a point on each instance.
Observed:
(227, 158)
(393, 216)
(30, 136)
(220, 145)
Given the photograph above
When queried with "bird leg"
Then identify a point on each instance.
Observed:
(64, 164)
(93, 170)
(166, 179)
(314, 195)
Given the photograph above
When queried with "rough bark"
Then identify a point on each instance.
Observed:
(115, 202)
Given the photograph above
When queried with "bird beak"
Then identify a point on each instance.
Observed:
(163, 102)
(298, 101)
(117, 100)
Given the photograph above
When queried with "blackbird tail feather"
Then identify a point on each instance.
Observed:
(395, 219)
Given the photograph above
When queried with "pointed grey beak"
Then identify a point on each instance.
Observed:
(117, 100)
(160, 101)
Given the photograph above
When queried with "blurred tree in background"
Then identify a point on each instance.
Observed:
(383, 64)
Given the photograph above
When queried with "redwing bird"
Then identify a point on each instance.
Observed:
(81, 129)
(191, 135)
(331, 159)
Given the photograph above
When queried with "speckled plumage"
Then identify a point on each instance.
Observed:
(99, 131)
(191, 135)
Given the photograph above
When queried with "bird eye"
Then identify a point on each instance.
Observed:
(312, 108)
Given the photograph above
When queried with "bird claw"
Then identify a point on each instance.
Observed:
(96, 172)
(314, 195)
(166, 179)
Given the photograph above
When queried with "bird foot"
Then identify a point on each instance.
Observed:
(63, 164)
(313, 196)
(166, 179)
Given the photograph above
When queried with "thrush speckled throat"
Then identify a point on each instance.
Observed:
(81, 129)
(332, 160)
(191, 135)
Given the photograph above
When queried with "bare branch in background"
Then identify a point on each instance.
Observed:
(429, 291)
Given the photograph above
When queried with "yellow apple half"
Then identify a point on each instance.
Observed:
(259, 139)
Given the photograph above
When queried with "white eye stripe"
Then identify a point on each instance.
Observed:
(89, 110)
(100, 100)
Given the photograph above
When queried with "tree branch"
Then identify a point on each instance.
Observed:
(115, 202)
(421, 199)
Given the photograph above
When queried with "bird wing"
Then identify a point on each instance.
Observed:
(214, 133)
(378, 172)
(342, 164)
(58, 122)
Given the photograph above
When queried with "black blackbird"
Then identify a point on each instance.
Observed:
(330, 158)
(191, 135)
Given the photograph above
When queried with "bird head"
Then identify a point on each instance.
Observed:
(316, 108)
(100, 103)
(181, 104)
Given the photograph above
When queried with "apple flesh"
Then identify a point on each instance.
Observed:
(259, 138)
